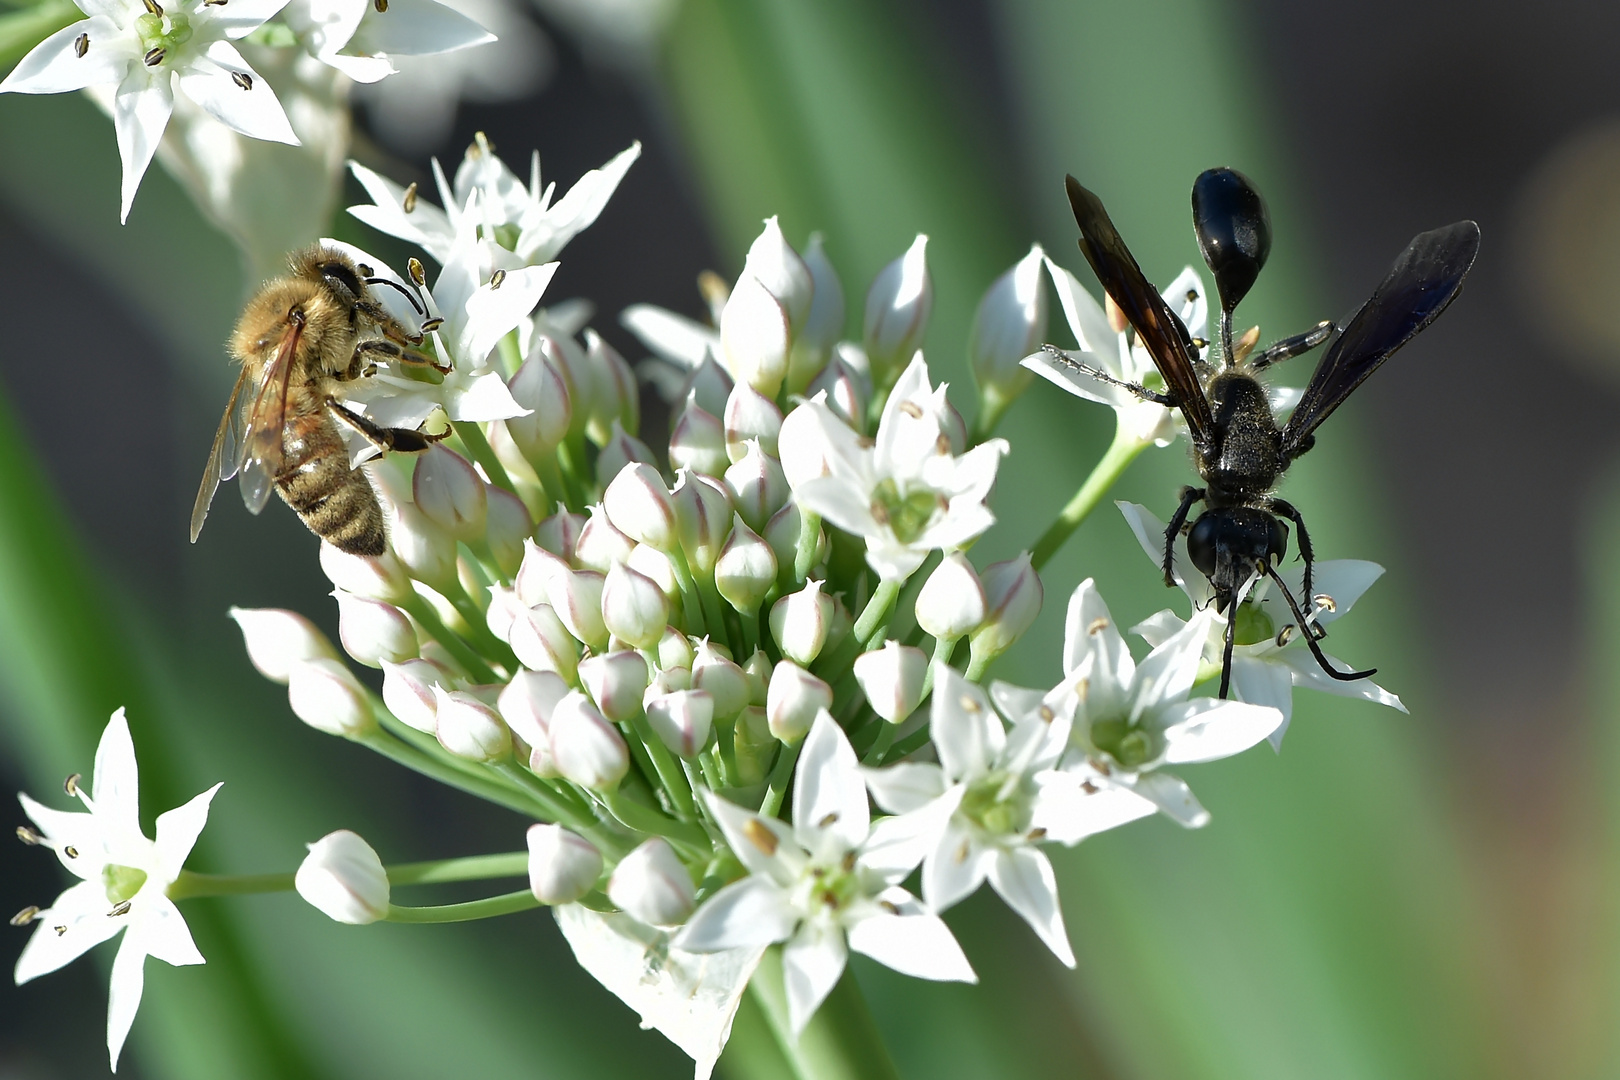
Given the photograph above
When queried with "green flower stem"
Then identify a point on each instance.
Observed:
(474, 665)
(841, 1041)
(750, 633)
(910, 744)
(487, 788)
(809, 534)
(880, 745)
(714, 612)
(943, 648)
(724, 751)
(488, 908)
(835, 665)
(559, 808)
(468, 868)
(781, 774)
(511, 357)
(1121, 452)
(472, 437)
(571, 461)
(545, 469)
(669, 773)
(189, 884)
(992, 407)
(478, 628)
(977, 666)
(693, 606)
(645, 819)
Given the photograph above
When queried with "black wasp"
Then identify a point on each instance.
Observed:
(1239, 449)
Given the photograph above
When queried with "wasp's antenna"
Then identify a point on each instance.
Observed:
(1310, 638)
(391, 283)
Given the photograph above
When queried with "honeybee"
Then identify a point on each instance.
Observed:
(298, 338)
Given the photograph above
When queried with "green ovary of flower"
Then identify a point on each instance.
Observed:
(990, 806)
(507, 236)
(908, 515)
(121, 882)
(832, 887)
(1128, 745)
(164, 31)
(1253, 625)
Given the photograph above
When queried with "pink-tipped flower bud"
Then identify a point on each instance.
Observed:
(408, 692)
(751, 415)
(468, 728)
(710, 386)
(539, 387)
(652, 886)
(585, 747)
(897, 309)
(951, 602)
(526, 705)
(343, 879)
(561, 534)
(792, 701)
(617, 397)
(758, 669)
(638, 505)
(682, 720)
(563, 866)
(277, 639)
(504, 607)
(651, 563)
(815, 337)
(568, 359)
(1009, 324)
(1013, 594)
(534, 574)
(784, 274)
(450, 493)
(633, 607)
(783, 533)
(675, 650)
(507, 527)
(722, 678)
(703, 517)
(756, 747)
(618, 450)
(758, 486)
(755, 336)
(600, 544)
(847, 393)
(325, 695)
(892, 679)
(801, 621)
(543, 643)
(379, 577)
(372, 631)
(698, 441)
(746, 569)
(615, 681)
(666, 681)
(575, 595)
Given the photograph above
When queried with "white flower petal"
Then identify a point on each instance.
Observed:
(1207, 729)
(479, 399)
(1149, 532)
(670, 336)
(80, 831)
(811, 965)
(242, 17)
(161, 931)
(898, 844)
(1159, 627)
(1023, 877)
(965, 730)
(141, 110)
(907, 786)
(1085, 316)
(177, 832)
(417, 28)
(54, 66)
(83, 910)
(492, 312)
(577, 210)
(1173, 798)
(1169, 671)
(955, 868)
(124, 996)
(749, 913)
(740, 826)
(210, 81)
(1089, 631)
(1080, 802)
(920, 945)
(426, 225)
(829, 794)
(1307, 673)
(1268, 682)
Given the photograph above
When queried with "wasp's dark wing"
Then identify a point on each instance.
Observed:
(1425, 278)
(1161, 332)
(224, 457)
(262, 456)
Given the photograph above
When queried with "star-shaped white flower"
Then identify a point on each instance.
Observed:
(124, 881)
(826, 884)
(1131, 719)
(357, 37)
(149, 51)
(993, 796)
(905, 492)
(1269, 658)
(517, 225)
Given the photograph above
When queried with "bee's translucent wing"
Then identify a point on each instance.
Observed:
(262, 453)
(225, 456)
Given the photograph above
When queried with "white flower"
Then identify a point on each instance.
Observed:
(124, 881)
(149, 50)
(517, 225)
(1269, 658)
(1129, 719)
(357, 38)
(905, 492)
(992, 796)
(824, 885)
(343, 879)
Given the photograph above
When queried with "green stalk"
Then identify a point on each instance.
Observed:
(1121, 452)
(645, 819)
(804, 556)
(841, 1041)
(781, 774)
(488, 908)
(472, 437)
(559, 808)
(473, 664)
(880, 745)
(190, 884)
(471, 868)
(669, 773)
(478, 627)
(487, 789)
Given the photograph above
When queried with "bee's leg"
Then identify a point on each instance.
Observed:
(398, 440)
(388, 350)
(1189, 495)
(1286, 509)
(1293, 346)
(1102, 376)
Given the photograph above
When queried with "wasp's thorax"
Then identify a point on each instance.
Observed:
(1248, 459)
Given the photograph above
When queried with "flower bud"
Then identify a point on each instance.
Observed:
(758, 487)
(897, 309)
(575, 595)
(450, 493)
(568, 359)
(756, 747)
(372, 631)
(504, 606)
(530, 584)
(325, 695)
(408, 692)
(617, 397)
(666, 681)
(600, 544)
(619, 450)
(723, 679)
(800, 622)
(427, 552)
(540, 388)
(508, 526)
(651, 885)
(633, 607)
(892, 679)
(709, 387)
(951, 602)
(674, 650)
(750, 415)
(698, 441)
(1013, 593)
(543, 643)
(754, 336)
(746, 569)
(682, 720)
(758, 670)
(563, 866)
(561, 534)
(703, 518)
(824, 323)
(526, 705)
(639, 506)
(468, 728)
(840, 626)
(585, 748)
(792, 701)
(277, 639)
(343, 879)
(1009, 324)
(784, 274)
(783, 533)
(847, 394)
(376, 577)
(615, 682)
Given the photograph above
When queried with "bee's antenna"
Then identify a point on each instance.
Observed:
(391, 283)
(1310, 639)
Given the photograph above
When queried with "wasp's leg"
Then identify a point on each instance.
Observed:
(1310, 639)
(1226, 651)
(1293, 346)
(1102, 376)
(400, 440)
(1286, 509)
(1189, 495)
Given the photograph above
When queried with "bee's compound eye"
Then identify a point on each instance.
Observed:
(1201, 543)
(342, 276)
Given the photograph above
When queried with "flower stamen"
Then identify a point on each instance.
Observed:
(81, 45)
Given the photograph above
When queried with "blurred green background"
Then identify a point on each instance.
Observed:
(1431, 895)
